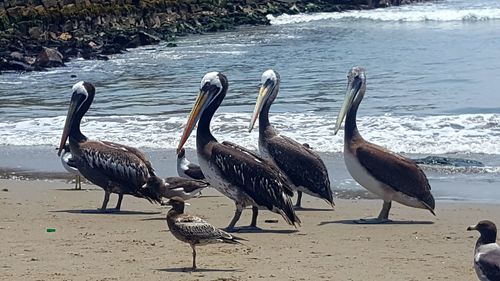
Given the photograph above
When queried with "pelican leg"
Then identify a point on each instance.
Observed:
(298, 204)
(119, 203)
(383, 217)
(253, 225)
(79, 179)
(236, 217)
(194, 257)
(255, 213)
(105, 201)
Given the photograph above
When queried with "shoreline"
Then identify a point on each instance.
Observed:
(460, 184)
(38, 35)
(136, 243)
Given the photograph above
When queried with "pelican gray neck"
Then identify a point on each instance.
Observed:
(265, 127)
(351, 132)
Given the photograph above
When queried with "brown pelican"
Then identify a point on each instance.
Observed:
(486, 252)
(304, 168)
(237, 173)
(186, 169)
(194, 230)
(385, 173)
(115, 167)
(68, 164)
(182, 187)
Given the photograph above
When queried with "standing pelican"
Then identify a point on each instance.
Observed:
(115, 167)
(304, 168)
(486, 252)
(385, 173)
(68, 164)
(194, 230)
(186, 169)
(234, 171)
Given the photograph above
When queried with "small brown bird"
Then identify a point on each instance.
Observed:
(194, 230)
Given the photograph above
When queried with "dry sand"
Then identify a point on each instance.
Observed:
(136, 244)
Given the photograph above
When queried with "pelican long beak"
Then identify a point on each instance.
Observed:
(352, 89)
(194, 116)
(73, 105)
(472, 227)
(264, 90)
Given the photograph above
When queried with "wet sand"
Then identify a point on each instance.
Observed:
(136, 244)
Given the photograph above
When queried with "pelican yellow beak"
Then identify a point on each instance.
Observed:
(351, 92)
(263, 92)
(194, 116)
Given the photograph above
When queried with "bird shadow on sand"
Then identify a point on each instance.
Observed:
(198, 270)
(302, 209)
(97, 212)
(75, 190)
(260, 230)
(386, 223)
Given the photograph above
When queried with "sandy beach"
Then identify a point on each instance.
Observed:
(136, 244)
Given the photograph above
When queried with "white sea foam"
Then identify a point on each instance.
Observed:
(467, 133)
(412, 13)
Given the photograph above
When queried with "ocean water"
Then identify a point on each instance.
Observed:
(432, 89)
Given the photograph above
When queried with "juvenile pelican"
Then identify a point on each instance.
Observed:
(237, 173)
(183, 188)
(385, 173)
(68, 165)
(115, 167)
(486, 252)
(194, 230)
(303, 167)
(186, 169)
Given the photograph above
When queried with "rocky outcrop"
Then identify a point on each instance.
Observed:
(35, 34)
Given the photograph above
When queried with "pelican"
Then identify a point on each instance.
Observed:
(385, 173)
(115, 167)
(239, 174)
(302, 166)
(186, 169)
(67, 163)
(194, 230)
(182, 187)
(486, 252)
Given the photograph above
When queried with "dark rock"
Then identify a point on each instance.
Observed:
(49, 57)
(148, 39)
(18, 66)
(448, 161)
(35, 32)
(73, 76)
(170, 45)
(50, 4)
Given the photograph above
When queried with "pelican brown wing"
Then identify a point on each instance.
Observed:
(116, 164)
(135, 151)
(396, 171)
(258, 178)
(302, 166)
